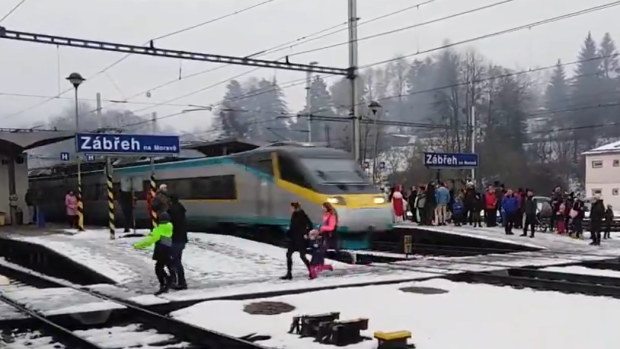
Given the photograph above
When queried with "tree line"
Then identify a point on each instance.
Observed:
(530, 127)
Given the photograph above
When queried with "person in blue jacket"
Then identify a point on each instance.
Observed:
(442, 198)
(510, 205)
(457, 211)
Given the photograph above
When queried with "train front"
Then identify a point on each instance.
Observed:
(361, 207)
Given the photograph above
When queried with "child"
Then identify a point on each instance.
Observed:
(317, 248)
(609, 219)
(457, 211)
(161, 237)
(560, 219)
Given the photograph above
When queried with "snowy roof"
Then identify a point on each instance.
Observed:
(605, 149)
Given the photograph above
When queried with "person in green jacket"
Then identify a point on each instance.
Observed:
(161, 237)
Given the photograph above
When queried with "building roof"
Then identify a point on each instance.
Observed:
(16, 141)
(605, 149)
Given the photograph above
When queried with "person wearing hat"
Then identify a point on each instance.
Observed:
(161, 201)
(161, 237)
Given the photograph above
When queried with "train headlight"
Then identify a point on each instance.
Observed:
(379, 200)
(336, 200)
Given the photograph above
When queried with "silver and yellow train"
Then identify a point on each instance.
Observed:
(247, 189)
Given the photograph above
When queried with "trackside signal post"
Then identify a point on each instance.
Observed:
(441, 161)
(119, 145)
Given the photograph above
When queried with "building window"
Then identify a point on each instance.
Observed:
(616, 163)
(614, 192)
(597, 163)
(597, 192)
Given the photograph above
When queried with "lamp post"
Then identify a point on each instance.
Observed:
(375, 108)
(76, 80)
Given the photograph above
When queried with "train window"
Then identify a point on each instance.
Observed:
(261, 162)
(182, 188)
(291, 172)
(213, 188)
(335, 170)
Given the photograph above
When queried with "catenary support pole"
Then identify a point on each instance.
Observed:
(308, 105)
(110, 188)
(153, 187)
(473, 140)
(80, 204)
(309, 101)
(353, 76)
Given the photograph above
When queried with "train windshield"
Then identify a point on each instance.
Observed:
(335, 171)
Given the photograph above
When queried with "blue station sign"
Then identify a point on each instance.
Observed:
(101, 143)
(450, 160)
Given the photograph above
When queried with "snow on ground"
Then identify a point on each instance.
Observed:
(584, 271)
(374, 275)
(209, 260)
(549, 241)
(7, 312)
(34, 340)
(132, 336)
(54, 301)
(469, 316)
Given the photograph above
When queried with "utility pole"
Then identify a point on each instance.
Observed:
(352, 76)
(473, 139)
(109, 173)
(309, 100)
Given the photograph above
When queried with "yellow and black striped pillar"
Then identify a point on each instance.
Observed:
(111, 217)
(80, 207)
(153, 192)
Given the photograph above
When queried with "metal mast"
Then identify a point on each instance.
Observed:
(352, 76)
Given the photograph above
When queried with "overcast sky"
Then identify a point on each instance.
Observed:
(35, 69)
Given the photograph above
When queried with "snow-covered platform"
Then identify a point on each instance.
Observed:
(226, 267)
(542, 241)
(463, 316)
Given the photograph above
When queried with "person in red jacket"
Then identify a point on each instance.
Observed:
(490, 207)
(398, 203)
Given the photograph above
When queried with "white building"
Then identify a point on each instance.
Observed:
(603, 173)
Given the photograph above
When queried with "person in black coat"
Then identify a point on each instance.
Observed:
(297, 238)
(529, 207)
(609, 219)
(176, 210)
(597, 214)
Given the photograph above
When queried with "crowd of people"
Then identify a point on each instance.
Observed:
(170, 237)
(438, 203)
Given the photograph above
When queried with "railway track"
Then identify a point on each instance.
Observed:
(519, 277)
(147, 326)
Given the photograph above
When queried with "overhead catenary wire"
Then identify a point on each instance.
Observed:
(398, 30)
(118, 61)
(12, 10)
(287, 45)
(442, 47)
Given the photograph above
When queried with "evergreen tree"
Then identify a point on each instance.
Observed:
(610, 85)
(609, 57)
(320, 105)
(558, 90)
(268, 111)
(232, 115)
(586, 97)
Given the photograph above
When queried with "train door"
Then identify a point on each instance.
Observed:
(264, 192)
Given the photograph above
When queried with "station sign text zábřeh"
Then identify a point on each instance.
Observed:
(450, 160)
(100, 143)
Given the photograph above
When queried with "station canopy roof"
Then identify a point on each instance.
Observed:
(221, 147)
(16, 141)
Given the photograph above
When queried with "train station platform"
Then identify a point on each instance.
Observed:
(224, 267)
(495, 239)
